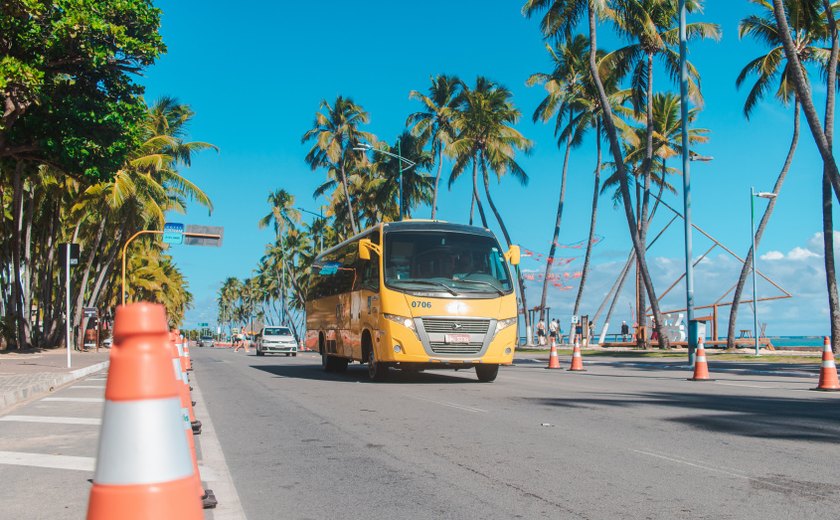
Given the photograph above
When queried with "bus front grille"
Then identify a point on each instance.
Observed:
(450, 326)
(444, 348)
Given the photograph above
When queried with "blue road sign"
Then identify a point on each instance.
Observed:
(173, 233)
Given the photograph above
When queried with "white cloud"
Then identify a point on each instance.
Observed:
(800, 253)
(773, 255)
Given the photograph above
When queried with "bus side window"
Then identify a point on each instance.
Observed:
(368, 270)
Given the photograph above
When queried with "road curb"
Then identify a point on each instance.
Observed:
(45, 386)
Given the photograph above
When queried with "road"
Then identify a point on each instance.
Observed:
(623, 440)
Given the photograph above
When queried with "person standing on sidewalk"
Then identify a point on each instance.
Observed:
(552, 331)
(541, 332)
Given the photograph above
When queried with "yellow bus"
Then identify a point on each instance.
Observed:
(414, 295)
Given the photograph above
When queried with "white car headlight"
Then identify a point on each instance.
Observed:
(503, 324)
(402, 320)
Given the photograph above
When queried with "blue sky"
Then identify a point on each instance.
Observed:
(255, 76)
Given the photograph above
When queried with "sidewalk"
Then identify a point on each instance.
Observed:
(28, 374)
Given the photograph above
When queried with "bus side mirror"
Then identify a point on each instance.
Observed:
(364, 249)
(513, 255)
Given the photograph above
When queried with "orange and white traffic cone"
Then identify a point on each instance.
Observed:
(178, 343)
(828, 370)
(188, 362)
(577, 361)
(701, 367)
(143, 466)
(553, 360)
(208, 498)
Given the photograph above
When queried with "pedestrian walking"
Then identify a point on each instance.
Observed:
(625, 331)
(243, 343)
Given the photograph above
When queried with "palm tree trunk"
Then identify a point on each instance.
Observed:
(557, 219)
(592, 220)
(830, 269)
(647, 168)
(520, 279)
(16, 309)
(827, 202)
(803, 91)
(82, 286)
(347, 198)
(437, 182)
(615, 148)
(765, 218)
(476, 199)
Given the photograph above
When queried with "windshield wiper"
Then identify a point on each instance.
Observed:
(501, 293)
(428, 282)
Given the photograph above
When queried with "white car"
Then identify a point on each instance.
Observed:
(276, 340)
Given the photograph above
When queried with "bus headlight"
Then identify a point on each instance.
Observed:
(402, 320)
(503, 324)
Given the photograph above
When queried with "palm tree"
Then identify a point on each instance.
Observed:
(803, 89)
(335, 133)
(561, 17)
(828, 222)
(773, 69)
(434, 126)
(592, 116)
(283, 215)
(565, 87)
(652, 27)
(486, 138)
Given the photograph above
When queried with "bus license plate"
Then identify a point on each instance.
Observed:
(457, 339)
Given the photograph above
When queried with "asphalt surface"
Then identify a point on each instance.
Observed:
(625, 439)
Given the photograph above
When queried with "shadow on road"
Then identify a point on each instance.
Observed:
(752, 416)
(359, 374)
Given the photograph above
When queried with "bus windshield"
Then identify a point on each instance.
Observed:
(445, 262)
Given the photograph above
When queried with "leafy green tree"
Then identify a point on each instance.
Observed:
(66, 80)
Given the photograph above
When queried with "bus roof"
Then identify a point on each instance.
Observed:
(414, 225)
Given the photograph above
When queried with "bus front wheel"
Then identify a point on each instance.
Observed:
(376, 371)
(487, 373)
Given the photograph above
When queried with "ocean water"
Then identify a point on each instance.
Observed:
(797, 341)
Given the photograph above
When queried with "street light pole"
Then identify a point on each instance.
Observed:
(753, 195)
(363, 147)
(320, 216)
(400, 159)
(689, 268)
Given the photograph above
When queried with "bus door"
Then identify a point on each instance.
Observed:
(365, 305)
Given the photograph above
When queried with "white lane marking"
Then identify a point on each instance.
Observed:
(101, 387)
(44, 460)
(451, 405)
(96, 379)
(75, 399)
(764, 482)
(749, 386)
(213, 458)
(51, 420)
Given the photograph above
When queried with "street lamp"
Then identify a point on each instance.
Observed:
(764, 195)
(363, 147)
(320, 216)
